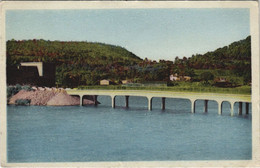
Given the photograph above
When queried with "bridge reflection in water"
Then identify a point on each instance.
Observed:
(193, 97)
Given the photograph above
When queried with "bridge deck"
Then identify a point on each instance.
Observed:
(192, 96)
(168, 94)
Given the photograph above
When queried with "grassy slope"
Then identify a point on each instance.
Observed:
(187, 87)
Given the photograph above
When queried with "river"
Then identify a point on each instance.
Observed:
(89, 133)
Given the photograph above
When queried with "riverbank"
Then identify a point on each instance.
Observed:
(47, 97)
(181, 87)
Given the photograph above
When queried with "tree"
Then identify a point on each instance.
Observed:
(206, 76)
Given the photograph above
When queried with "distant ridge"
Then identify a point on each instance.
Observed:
(228, 57)
(70, 52)
(87, 63)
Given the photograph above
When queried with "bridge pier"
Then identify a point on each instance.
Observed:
(205, 106)
(113, 100)
(193, 103)
(95, 100)
(232, 108)
(163, 103)
(247, 108)
(80, 100)
(150, 103)
(219, 107)
(240, 108)
(126, 101)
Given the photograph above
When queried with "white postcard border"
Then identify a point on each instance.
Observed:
(254, 30)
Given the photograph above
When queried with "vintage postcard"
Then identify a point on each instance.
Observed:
(129, 84)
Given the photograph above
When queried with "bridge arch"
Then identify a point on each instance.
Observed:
(194, 104)
(125, 100)
(240, 107)
(172, 103)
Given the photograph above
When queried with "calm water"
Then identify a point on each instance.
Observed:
(76, 134)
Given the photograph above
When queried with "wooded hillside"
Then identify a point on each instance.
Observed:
(86, 63)
(78, 63)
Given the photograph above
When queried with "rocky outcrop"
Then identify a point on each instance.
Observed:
(48, 96)
(63, 99)
(38, 97)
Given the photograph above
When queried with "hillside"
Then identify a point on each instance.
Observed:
(227, 57)
(78, 63)
(233, 60)
(68, 52)
(86, 63)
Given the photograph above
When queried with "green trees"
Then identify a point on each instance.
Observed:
(77, 63)
(85, 63)
(12, 90)
(235, 57)
(206, 77)
(243, 69)
(225, 57)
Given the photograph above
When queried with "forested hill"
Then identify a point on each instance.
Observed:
(86, 63)
(76, 53)
(77, 63)
(235, 55)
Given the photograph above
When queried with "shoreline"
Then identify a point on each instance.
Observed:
(243, 90)
(40, 96)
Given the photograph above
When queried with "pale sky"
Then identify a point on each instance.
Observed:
(152, 33)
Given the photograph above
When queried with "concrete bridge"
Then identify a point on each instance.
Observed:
(193, 97)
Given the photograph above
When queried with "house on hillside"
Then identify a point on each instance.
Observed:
(186, 78)
(222, 79)
(105, 82)
(222, 82)
(174, 77)
(126, 81)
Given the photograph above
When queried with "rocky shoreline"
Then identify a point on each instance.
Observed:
(48, 97)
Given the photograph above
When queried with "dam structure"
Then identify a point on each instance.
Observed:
(192, 96)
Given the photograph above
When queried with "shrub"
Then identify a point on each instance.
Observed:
(206, 76)
(18, 87)
(27, 88)
(22, 102)
(172, 83)
(12, 90)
